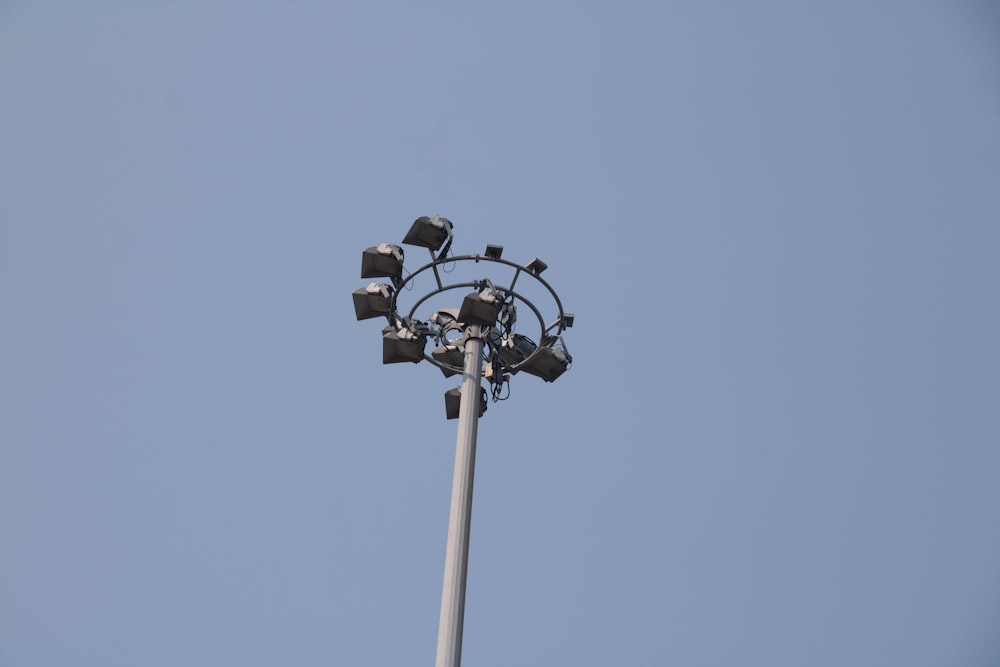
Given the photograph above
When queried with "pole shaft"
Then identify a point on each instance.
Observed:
(456, 562)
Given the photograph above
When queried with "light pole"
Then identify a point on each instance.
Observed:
(482, 330)
(456, 560)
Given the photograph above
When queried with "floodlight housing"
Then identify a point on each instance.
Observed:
(480, 308)
(372, 301)
(494, 251)
(536, 266)
(567, 319)
(400, 345)
(450, 355)
(429, 232)
(385, 259)
(447, 322)
(548, 363)
(453, 402)
(516, 348)
(445, 317)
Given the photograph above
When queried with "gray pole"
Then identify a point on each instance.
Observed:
(456, 561)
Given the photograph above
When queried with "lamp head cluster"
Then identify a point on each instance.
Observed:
(487, 311)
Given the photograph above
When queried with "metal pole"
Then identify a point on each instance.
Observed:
(456, 561)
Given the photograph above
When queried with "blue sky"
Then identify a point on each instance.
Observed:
(775, 222)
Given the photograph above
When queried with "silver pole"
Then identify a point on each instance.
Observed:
(456, 560)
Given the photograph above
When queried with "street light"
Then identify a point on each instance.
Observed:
(476, 340)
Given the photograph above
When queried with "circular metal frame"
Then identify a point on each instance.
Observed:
(546, 332)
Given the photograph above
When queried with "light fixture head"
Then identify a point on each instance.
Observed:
(567, 319)
(429, 232)
(516, 348)
(536, 266)
(372, 301)
(480, 308)
(452, 356)
(402, 344)
(548, 363)
(445, 316)
(494, 251)
(453, 402)
(385, 259)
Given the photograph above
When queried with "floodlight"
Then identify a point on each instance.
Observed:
(494, 251)
(567, 319)
(372, 301)
(452, 356)
(453, 402)
(402, 344)
(429, 232)
(548, 363)
(445, 317)
(535, 266)
(480, 308)
(515, 349)
(385, 259)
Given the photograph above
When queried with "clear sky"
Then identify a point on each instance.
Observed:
(777, 224)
